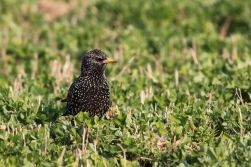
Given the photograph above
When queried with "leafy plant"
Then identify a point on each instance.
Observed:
(180, 89)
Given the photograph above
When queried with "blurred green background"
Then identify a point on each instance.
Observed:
(180, 89)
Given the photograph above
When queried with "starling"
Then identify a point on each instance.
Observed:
(90, 91)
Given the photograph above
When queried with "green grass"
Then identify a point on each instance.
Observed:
(181, 89)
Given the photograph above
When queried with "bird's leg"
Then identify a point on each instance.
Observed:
(73, 122)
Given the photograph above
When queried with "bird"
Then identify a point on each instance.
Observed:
(90, 91)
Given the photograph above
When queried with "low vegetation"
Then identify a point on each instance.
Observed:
(180, 90)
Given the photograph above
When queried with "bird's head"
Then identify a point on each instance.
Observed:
(95, 61)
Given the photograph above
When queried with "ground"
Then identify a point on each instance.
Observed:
(180, 91)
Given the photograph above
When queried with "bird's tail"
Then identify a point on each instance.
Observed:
(65, 114)
(64, 100)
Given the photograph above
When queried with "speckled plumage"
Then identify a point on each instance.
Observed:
(90, 91)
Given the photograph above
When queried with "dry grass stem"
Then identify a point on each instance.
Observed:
(239, 95)
(127, 65)
(194, 56)
(34, 66)
(150, 74)
(240, 121)
(124, 153)
(18, 87)
(60, 159)
(176, 76)
(62, 73)
(83, 141)
(225, 26)
(146, 94)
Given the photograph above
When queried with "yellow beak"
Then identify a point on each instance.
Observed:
(108, 60)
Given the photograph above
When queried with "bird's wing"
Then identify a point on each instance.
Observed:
(71, 97)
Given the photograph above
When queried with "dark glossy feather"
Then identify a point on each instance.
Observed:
(90, 91)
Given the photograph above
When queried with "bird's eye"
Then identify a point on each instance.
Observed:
(100, 59)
